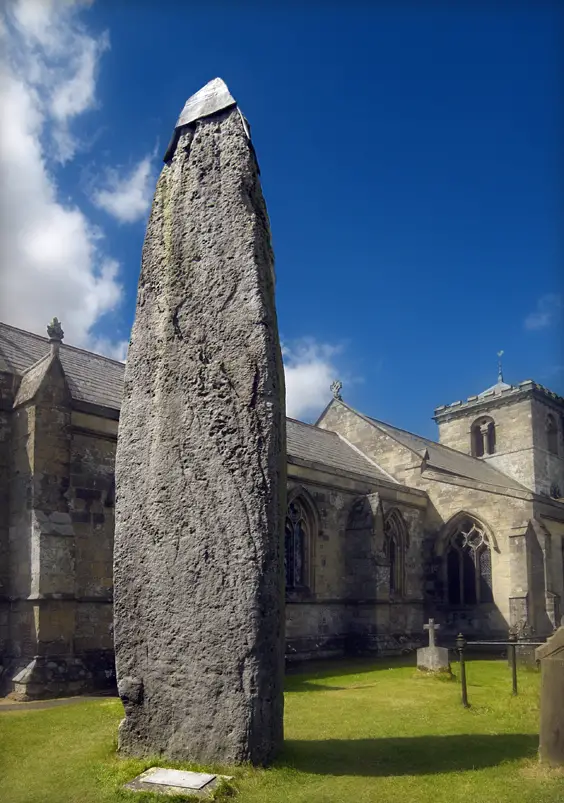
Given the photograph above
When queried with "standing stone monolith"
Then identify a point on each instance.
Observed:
(201, 463)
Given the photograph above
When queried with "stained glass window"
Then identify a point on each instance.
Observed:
(295, 545)
(468, 565)
(394, 546)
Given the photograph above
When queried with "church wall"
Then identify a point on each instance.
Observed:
(556, 565)
(506, 517)
(548, 468)
(505, 513)
(377, 445)
(61, 505)
(521, 440)
(21, 635)
(6, 385)
(92, 512)
(343, 614)
(316, 620)
(514, 453)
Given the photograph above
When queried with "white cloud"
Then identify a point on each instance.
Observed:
(547, 311)
(127, 197)
(114, 350)
(309, 368)
(52, 261)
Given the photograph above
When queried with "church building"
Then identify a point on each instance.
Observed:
(383, 529)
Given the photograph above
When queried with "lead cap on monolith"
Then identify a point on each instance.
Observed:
(212, 98)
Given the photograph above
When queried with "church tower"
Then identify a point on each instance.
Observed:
(519, 429)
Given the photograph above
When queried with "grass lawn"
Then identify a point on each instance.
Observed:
(356, 732)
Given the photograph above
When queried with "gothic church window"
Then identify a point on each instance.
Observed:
(395, 538)
(483, 437)
(551, 434)
(297, 540)
(468, 565)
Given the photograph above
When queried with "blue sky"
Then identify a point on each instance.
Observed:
(410, 160)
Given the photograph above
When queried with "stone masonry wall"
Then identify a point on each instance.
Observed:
(21, 640)
(329, 620)
(505, 514)
(521, 440)
(61, 542)
(91, 501)
(505, 517)
(392, 456)
(514, 450)
(548, 467)
(6, 400)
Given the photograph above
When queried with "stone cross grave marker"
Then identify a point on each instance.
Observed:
(432, 658)
(431, 627)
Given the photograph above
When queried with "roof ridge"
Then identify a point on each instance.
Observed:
(438, 443)
(63, 344)
(474, 459)
(311, 426)
(400, 429)
(368, 459)
(373, 422)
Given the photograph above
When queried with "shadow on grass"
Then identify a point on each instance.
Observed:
(300, 675)
(412, 755)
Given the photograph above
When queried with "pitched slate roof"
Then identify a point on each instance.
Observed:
(99, 380)
(31, 380)
(307, 442)
(90, 377)
(443, 458)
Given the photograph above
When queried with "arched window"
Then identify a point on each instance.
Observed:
(468, 564)
(551, 434)
(483, 437)
(395, 542)
(297, 540)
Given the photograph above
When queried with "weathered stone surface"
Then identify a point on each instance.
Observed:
(200, 467)
(551, 657)
(433, 659)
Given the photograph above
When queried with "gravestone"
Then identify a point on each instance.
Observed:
(200, 463)
(551, 657)
(432, 658)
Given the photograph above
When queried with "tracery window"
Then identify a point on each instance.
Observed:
(297, 538)
(483, 437)
(394, 549)
(468, 565)
(551, 434)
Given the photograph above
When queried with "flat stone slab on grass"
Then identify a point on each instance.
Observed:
(175, 782)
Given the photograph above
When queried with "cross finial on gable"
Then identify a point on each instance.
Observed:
(56, 334)
(499, 367)
(55, 330)
(336, 388)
